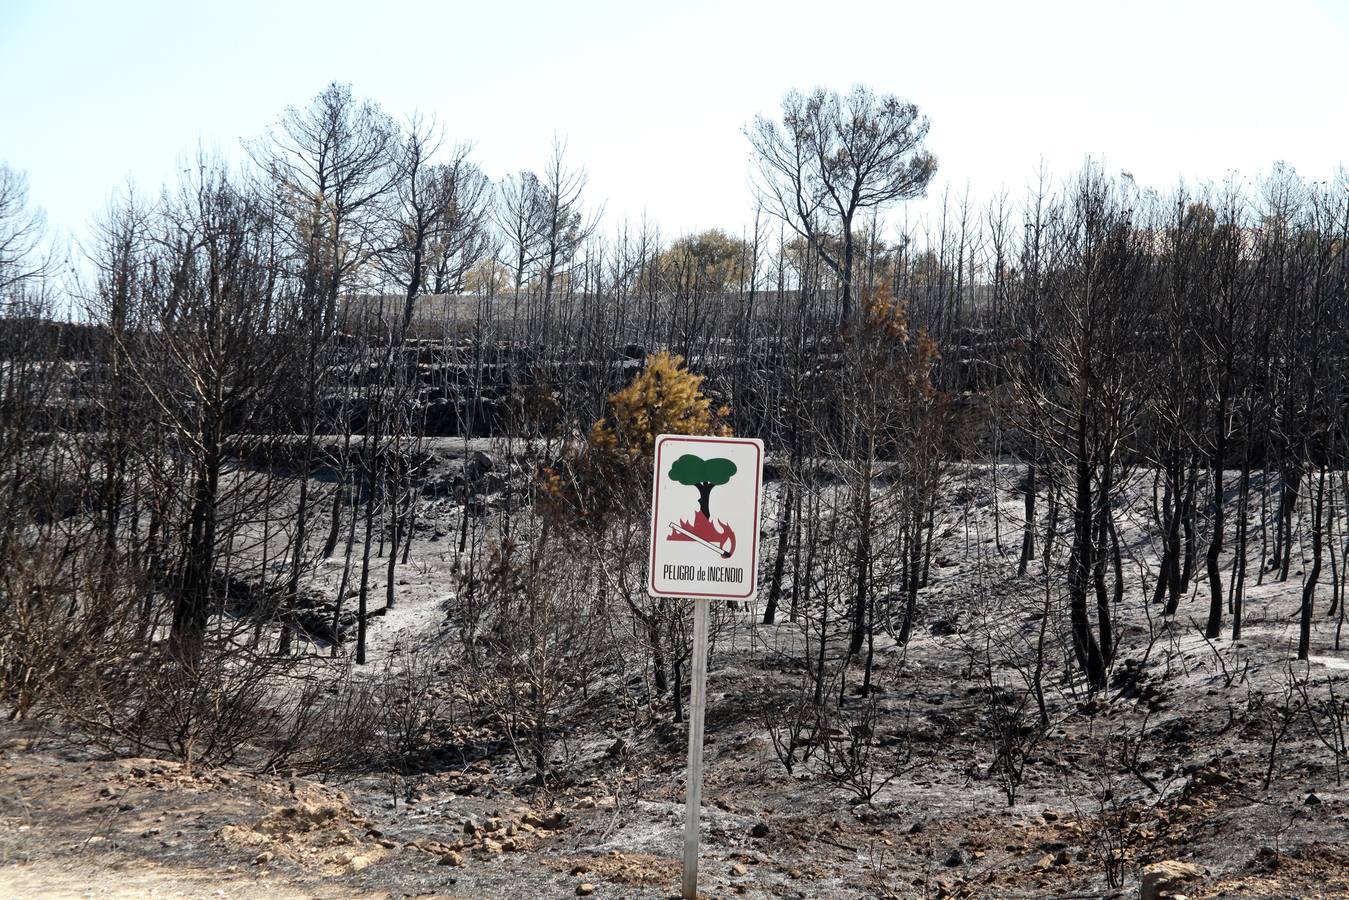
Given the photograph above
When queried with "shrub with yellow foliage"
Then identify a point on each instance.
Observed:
(887, 349)
(664, 398)
(611, 469)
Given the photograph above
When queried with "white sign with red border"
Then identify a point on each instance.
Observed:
(705, 517)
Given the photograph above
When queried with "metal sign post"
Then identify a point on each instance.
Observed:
(694, 791)
(704, 547)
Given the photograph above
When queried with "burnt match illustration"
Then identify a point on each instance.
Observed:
(724, 554)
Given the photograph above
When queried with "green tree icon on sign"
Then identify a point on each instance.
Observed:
(703, 474)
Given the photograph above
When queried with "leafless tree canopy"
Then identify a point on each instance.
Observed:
(20, 232)
(833, 157)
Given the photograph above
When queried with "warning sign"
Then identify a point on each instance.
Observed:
(705, 517)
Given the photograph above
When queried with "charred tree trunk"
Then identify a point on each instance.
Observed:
(1314, 576)
(779, 560)
(1028, 533)
(1085, 647)
(1215, 547)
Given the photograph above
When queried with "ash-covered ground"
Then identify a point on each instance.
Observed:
(1215, 754)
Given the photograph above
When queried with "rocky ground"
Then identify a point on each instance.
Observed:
(1196, 757)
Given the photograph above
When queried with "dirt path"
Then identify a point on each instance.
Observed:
(118, 877)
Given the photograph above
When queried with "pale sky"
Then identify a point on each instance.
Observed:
(651, 98)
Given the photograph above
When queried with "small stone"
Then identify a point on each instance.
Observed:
(357, 863)
(585, 889)
(955, 858)
(491, 846)
(759, 830)
(1211, 776)
(1044, 862)
(1049, 815)
(1164, 879)
(452, 859)
(1312, 800)
(738, 870)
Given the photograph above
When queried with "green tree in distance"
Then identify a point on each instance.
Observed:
(710, 261)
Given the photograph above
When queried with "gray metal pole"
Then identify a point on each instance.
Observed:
(694, 791)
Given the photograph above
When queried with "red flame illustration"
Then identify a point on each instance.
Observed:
(703, 528)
